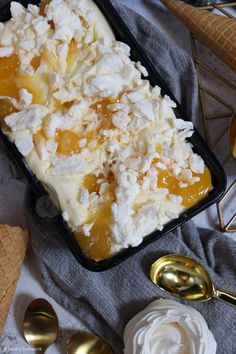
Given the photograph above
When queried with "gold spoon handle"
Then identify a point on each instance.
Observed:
(225, 296)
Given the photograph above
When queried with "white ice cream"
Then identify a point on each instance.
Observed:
(82, 65)
(168, 327)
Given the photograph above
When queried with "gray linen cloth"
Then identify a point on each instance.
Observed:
(106, 301)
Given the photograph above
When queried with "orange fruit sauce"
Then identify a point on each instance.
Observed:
(97, 246)
(104, 113)
(8, 68)
(190, 194)
(68, 142)
(12, 80)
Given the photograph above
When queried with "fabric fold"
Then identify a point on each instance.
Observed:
(106, 301)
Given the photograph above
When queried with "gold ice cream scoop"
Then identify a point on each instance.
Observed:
(40, 325)
(87, 343)
(185, 278)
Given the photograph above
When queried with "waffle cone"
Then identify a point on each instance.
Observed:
(13, 244)
(217, 32)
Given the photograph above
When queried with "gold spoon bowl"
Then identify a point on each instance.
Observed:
(40, 325)
(87, 343)
(187, 279)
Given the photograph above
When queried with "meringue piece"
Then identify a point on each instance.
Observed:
(27, 44)
(166, 326)
(33, 9)
(120, 120)
(196, 163)
(65, 216)
(86, 228)
(109, 64)
(40, 25)
(57, 121)
(27, 118)
(64, 34)
(181, 124)
(25, 97)
(142, 69)
(135, 96)
(45, 149)
(16, 9)
(121, 48)
(6, 51)
(176, 198)
(73, 164)
(104, 86)
(55, 80)
(83, 196)
(145, 109)
(25, 145)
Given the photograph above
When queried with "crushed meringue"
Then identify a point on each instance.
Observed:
(104, 142)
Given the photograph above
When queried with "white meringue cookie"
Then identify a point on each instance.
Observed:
(168, 327)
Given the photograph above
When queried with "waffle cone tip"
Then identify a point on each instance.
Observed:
(13, 245)
(217, 32)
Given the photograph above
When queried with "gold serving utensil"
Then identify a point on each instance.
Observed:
(187, 279)
(40, 325)
(87, 343)
(232, 135)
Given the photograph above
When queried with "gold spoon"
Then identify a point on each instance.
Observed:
(87, 343)
(185, 278)
(232, 135)
(40, 325)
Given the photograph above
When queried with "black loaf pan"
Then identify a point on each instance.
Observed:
(122, 33)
